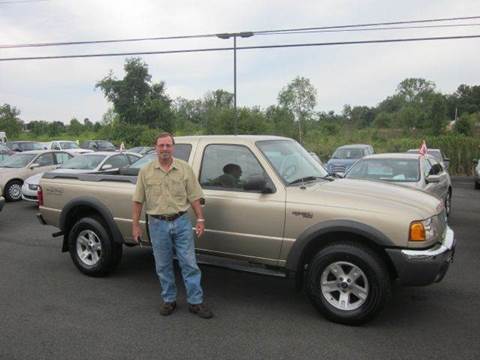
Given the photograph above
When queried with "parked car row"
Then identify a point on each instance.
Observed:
(20, 172)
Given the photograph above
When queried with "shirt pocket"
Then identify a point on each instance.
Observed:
(177, 188)
(154, 188)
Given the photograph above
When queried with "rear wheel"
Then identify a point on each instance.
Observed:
(477, 185)
(91, 248)
(348, 283)
(13, 190)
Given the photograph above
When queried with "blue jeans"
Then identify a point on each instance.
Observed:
(165, 236)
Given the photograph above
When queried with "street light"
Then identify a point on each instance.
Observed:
(244, 34)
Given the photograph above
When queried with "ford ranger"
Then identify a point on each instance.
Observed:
(343, 241)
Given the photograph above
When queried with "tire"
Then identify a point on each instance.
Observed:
(13, 190)
(92, 249)
(338, 301)
(448, 203)
(477, 185)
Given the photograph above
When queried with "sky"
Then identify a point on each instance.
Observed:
(61, 89)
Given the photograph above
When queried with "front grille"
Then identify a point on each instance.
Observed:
(338, 168)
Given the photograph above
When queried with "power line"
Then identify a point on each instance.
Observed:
(371, 24)
(339, 43)
(259, 32)
(372, 29)
(20, 1)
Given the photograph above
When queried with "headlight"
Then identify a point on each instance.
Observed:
(423, 230)
(33, 187)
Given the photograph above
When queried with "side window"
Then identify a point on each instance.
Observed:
(61, 157)
(437, 168)
(132, 158)
(55, 146)
(228, 167)
(182, 151)
(45, 160)
(117, 161)
(427, 167)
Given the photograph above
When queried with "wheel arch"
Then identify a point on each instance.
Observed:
(323, 234)
(87, 206)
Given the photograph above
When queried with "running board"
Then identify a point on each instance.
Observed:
(239, 265)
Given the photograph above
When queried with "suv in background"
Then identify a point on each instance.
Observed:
(20, 146)
(345, 156)
(98, 145)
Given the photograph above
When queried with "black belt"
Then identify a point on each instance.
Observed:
(169, 217)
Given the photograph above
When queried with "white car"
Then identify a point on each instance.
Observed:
(68, 146)
(97, 162)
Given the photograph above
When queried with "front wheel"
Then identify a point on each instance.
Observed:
(91, 248)
(13, 190)
(348, 283)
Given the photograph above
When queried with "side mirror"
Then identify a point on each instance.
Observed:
(34, 166)
(432, 179)
(257, 183)
(107, 167)
(436, 169)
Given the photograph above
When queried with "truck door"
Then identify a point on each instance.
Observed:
(241, 223)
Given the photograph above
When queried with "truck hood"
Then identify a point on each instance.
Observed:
(365, 195)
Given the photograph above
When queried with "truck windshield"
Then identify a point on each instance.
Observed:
(17, 161)
(396, 170)
(84, 162)
(291, 161)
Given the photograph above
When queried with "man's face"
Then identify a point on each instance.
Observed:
(164, 148)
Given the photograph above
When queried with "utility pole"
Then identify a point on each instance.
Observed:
(224, 36)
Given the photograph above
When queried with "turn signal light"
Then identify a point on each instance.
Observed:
(417, 231)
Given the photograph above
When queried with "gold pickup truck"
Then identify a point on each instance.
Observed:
(271, 208)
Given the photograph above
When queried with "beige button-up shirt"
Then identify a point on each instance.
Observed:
(167, 192)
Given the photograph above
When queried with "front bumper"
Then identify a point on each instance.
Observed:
(27, 194)
(2, 202)
(423, 267)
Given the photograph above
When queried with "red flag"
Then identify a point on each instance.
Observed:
(423, 149)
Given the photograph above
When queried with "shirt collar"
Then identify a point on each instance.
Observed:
(174, 165)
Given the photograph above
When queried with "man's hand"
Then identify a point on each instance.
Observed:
(200, 228)
(136, 232)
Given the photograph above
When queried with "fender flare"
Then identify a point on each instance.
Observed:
(96, 205)
(313, 232)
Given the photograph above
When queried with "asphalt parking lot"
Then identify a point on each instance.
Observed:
(49, 310)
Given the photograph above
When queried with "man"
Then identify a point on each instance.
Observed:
(230, 177)
(167, 186)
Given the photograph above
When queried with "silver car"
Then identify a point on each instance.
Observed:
(98, 162)
(20, 166)
(413, 170)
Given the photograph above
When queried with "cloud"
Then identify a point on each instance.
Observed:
(356, 75)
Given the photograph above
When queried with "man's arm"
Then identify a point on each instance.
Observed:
(200, 226)
(136, 228)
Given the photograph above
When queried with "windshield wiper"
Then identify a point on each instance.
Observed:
(304, 179)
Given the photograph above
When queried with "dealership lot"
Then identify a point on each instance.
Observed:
(48, 309)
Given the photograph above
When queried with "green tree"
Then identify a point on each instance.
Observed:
(38, 127)
(300, 97)
(135, 99)
(9, 121)
(75, 128)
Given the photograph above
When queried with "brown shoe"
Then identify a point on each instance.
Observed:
(167, 308)
(201, 310)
